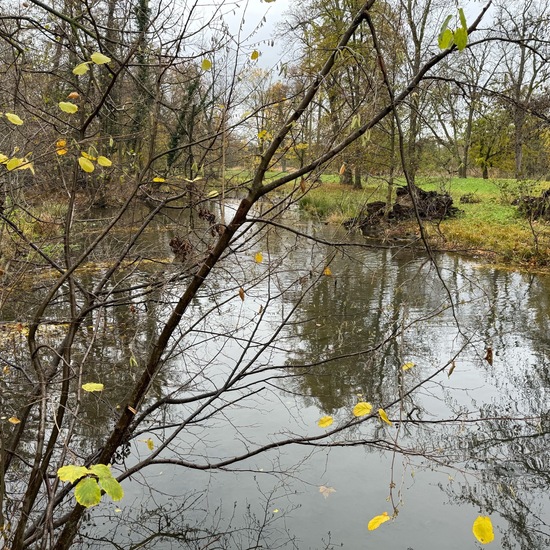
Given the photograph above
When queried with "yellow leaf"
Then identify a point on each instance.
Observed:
(60, 147)
(206, 64)
(254, 55)
(99, 58)
(384, 417)
(301, 146)
(4, 158)
(14, 119)
(483, 530)
(104, 161)
(72, 473)
(92, 386)
(408, 366)
(327, 271)
(326, 491)
(451, 370)
(26, 165)
(82, 68)
(14, 163)
(150, 444)
(14, 420)
(68, 107)
(262, 134)
(159, 180)
(258, 257)
(362, 409)
(377, 521)
(276, 511)
(325, 422)
(85, 164)
(87, 156)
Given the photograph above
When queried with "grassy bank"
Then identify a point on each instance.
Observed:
(488, 225)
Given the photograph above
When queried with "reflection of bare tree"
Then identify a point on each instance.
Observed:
(188, 521)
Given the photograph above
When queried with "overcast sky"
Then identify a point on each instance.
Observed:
(258, 34)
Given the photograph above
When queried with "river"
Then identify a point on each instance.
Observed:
(469, 433)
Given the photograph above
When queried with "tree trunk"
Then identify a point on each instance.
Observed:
(463, 170)
(357, 177)
(346, 176)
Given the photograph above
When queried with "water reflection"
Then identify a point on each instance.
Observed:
(343, 337)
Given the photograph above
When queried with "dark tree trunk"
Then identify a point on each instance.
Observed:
(357, 177)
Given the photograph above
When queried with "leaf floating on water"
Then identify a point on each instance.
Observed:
(451, 370)
(489, 356)
(92, 386)
(384, 417)
(241, 293)
(325, 421)
(327, 272)
(258, 257)
(326, 491)
(362, 409)
(377, 521)
(483, 530)
(276, 511)
(14, 420)
(408, 366)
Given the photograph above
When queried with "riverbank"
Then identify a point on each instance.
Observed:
(488, 225)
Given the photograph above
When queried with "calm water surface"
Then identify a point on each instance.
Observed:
(437, 465)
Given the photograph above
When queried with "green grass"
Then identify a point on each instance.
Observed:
(491, 227)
